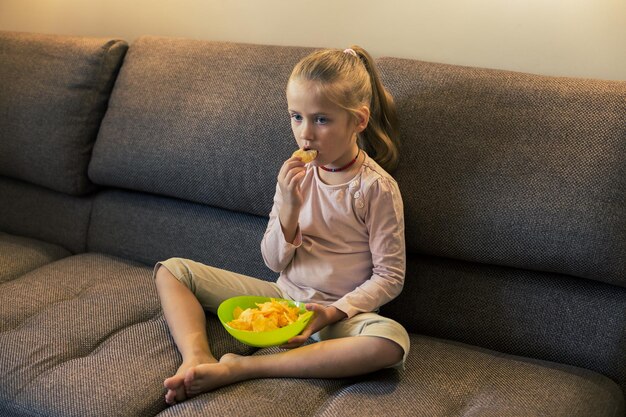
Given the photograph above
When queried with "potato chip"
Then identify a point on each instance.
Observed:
(306, 155)
(268, 316)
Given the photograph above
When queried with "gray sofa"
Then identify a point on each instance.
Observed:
(113, 157)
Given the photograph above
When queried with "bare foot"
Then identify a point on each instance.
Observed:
(209, 376)
(176, 384)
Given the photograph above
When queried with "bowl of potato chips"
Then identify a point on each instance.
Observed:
(263, 321)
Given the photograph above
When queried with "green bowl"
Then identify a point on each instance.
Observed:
(261, 339)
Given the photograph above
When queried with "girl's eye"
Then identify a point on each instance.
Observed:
(321, 120)
(296, 117)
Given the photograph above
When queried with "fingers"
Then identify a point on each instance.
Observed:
(317, 308)
(289, 178)
(294, 178)
(317, 323)
(295, 342)
(291, 171)
(300, 339)
(290, 164)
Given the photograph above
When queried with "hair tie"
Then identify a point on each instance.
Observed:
(350, 51)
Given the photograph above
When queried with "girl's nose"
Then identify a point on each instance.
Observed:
(306, 131)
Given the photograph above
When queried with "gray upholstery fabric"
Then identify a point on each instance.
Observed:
(201, 121)
(513, 169)
(540, 315)
(84, 338)
(19, 255)
(38, 213)
(441, 379)
(54, 94)
(149, 228)
(514, 196)
(87, 336)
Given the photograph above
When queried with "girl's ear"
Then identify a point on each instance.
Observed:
(362, 118)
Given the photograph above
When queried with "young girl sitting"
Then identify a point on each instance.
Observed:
(335, 234)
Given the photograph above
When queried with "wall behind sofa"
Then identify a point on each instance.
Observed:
(584, 38)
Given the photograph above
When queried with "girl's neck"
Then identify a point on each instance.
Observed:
(345, 175)
(343, 167)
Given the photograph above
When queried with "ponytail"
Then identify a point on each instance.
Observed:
(380, 138)
(350, 79)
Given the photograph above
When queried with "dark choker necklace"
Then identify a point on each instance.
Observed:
(346, 166)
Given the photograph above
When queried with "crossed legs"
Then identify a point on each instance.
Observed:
(200, 371)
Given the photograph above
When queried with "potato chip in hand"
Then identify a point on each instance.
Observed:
(307, 155)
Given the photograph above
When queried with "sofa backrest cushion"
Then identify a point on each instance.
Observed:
(513, 169)
(201, 121)
(36, 212)
(149, 228)
(54, 91)
(534, 314)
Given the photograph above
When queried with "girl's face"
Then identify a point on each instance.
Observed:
(320, 124)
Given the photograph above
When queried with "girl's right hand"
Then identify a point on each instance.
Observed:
(289, 179)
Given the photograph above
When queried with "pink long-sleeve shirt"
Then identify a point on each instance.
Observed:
(349, 249)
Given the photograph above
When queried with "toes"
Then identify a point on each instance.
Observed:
(181, 395)
(190, 379)
(196, 381)
(170, 397)
(174, 382)
(175, 390)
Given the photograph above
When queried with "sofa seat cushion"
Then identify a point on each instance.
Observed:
(82, 332)
(441, 379)
(87, 335)
(19, 255)
(444, 378)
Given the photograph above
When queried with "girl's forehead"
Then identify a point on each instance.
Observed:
(304, 88)
(308, 94)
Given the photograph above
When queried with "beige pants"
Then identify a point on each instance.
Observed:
(212, 285)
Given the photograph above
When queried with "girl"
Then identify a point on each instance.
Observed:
(335, 234)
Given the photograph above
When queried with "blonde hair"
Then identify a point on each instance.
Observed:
(350, 79)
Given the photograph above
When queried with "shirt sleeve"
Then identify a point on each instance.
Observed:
(277, 252)
(384, 218)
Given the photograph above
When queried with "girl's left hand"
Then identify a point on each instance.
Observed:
(322, 317)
